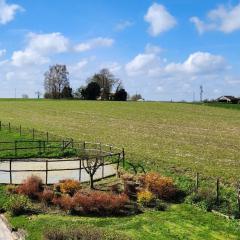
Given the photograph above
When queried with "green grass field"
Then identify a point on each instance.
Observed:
(159, 135)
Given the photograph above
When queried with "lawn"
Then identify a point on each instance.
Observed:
(158, 135)
(179, 222)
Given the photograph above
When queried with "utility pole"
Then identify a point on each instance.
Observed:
(38, 93)
(15, 93)
(201, 93)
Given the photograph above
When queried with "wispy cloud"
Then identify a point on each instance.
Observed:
(224, 18)
(8, 11)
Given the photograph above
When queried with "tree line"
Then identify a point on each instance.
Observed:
(102, 85)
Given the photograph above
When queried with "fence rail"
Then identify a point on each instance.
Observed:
(44, 152)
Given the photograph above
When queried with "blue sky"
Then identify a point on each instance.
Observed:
(161, 49)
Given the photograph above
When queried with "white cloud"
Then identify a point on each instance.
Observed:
(94, 43)
(2, 52)
(160, 19)
(123, 25)
(224, 18)
(48, 43)
(142, 64)
(78, 67)
(8, 11)
(39, 47)
(198, 63)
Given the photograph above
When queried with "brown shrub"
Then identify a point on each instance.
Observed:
(47, 196)
(64, 202)
(31, 187)
(69, 186)
(101, 203)
(162, 187)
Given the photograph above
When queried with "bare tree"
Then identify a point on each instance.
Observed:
(91, 164)
(56, 79)
(106, 80)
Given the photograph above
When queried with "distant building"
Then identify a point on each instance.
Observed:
(228, 99)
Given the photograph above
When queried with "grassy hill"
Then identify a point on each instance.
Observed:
(159, 135)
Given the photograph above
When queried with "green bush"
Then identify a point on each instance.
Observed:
(204, 198)
(161, 206)
(3, 198)
(84, 233)
(18, 204)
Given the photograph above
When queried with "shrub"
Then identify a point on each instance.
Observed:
(161, 206)
(100, 203)
(204, 198)
(84, 233)
(162, 187)
(69, 186)
(31, 187)
(65, 202)
(18, 204)
(47, 196)
(12, 189)
(146, 198)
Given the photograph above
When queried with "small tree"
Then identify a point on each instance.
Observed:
(67, 92)
(91, 165)
(92, 91)
(120, 95)
(106, 80)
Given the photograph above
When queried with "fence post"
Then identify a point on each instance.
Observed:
(0, 125)
(84, 145)
(10, 170)
(218, 191)
(197, 182)
(20, 130)
(9, 127)
(39, 146)
(80, 169)
(33, 133)
(123, 157)
(44, 146)
(103, 167)
(46, 180)
(47, 136)
(15, 147)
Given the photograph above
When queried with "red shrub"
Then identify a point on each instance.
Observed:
(99, 202)
(32, 187)
(47, 196)
(64, 202)
(162, 187)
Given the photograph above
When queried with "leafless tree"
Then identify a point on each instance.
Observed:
(55, 81)
(91, 164)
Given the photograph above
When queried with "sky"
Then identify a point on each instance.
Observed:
(163, 50)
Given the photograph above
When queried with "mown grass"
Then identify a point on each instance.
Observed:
(179, 222)
(158, 135)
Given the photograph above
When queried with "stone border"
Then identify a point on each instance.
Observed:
(16, 235)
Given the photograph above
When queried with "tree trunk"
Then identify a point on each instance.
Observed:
(91, 182)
